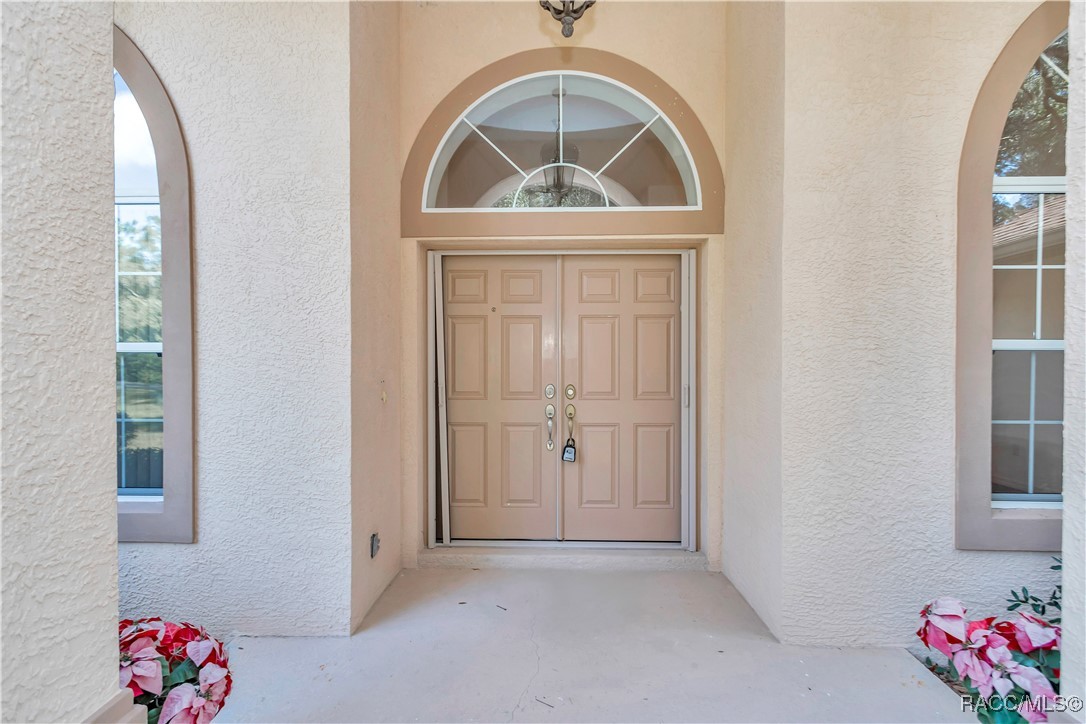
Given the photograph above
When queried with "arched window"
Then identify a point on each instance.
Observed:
(562, 140)
(1027, 287)
(1009, 385)
(153, 306)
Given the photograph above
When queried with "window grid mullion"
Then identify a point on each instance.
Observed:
(1032, 417)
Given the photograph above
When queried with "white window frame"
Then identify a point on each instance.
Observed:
(168, 518)
(1040, 185)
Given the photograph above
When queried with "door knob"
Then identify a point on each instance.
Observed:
(550, 427)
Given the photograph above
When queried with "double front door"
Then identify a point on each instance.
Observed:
(545, 352)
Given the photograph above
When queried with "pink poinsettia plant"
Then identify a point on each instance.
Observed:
(179, 672)
(1009, 667)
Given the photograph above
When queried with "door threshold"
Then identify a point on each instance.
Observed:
(561, 557)
(604, 544)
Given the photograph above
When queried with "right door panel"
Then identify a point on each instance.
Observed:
(620, 350)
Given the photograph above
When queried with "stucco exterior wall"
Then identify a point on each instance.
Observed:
(375, 301)
(876, 105)
(1073, 671)
(58, 500)
(751, 287)
(262, 93)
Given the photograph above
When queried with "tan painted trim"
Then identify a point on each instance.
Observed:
(979, 527)
(170, 521)
(120, 709)
(417, 303)
(708, 220)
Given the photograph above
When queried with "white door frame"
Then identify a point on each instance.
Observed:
(437, 423)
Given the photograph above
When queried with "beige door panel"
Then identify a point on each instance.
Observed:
(620, 348)
(500, 330)
(619, 343)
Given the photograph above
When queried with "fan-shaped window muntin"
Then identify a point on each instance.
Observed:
(561, 141)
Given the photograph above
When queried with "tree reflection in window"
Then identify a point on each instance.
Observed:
(1035, 135)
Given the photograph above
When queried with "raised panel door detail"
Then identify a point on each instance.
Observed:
(654, 285)
(501, 350)
(521, 358)
(599, 357)
(624, 357)
(522, 287)
(521, 445)
(467, 366)
(654, 357)
(653, 468)
(598, 467)
(599, 285)
(467, 464)
(465, 286)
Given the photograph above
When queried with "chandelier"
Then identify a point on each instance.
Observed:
(566, 12)
(558, 159)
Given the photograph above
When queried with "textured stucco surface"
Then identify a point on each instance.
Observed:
(58, 500)
(262, 94)
(752, 305)
(375, 301)
(874, 125)
(1073, 673)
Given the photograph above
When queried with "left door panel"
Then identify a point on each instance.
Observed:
(500, 355)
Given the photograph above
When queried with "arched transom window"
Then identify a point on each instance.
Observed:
(561, 141)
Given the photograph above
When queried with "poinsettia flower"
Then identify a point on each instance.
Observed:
(185, 704)
(214, 681)
(144, 627)
(972, 661)
(942, 625)
(1032, 633)
(969, 665)
(1032, 708)
(141, 669)
(981, 624)
(176, 638)
(1027, 677)
(1006, 629)
(203, 650)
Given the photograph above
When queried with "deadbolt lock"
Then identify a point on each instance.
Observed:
(571, 392)
(549, 391)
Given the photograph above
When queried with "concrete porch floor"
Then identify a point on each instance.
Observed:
(546, 645)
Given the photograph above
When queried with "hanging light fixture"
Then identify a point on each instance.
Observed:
(566, 12)
(558, 179)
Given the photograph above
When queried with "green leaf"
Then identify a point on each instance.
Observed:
(1024, 659)
(153, 714)
(1052, 658)
(1014, 606)
(185, 671)
(1004, 716)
